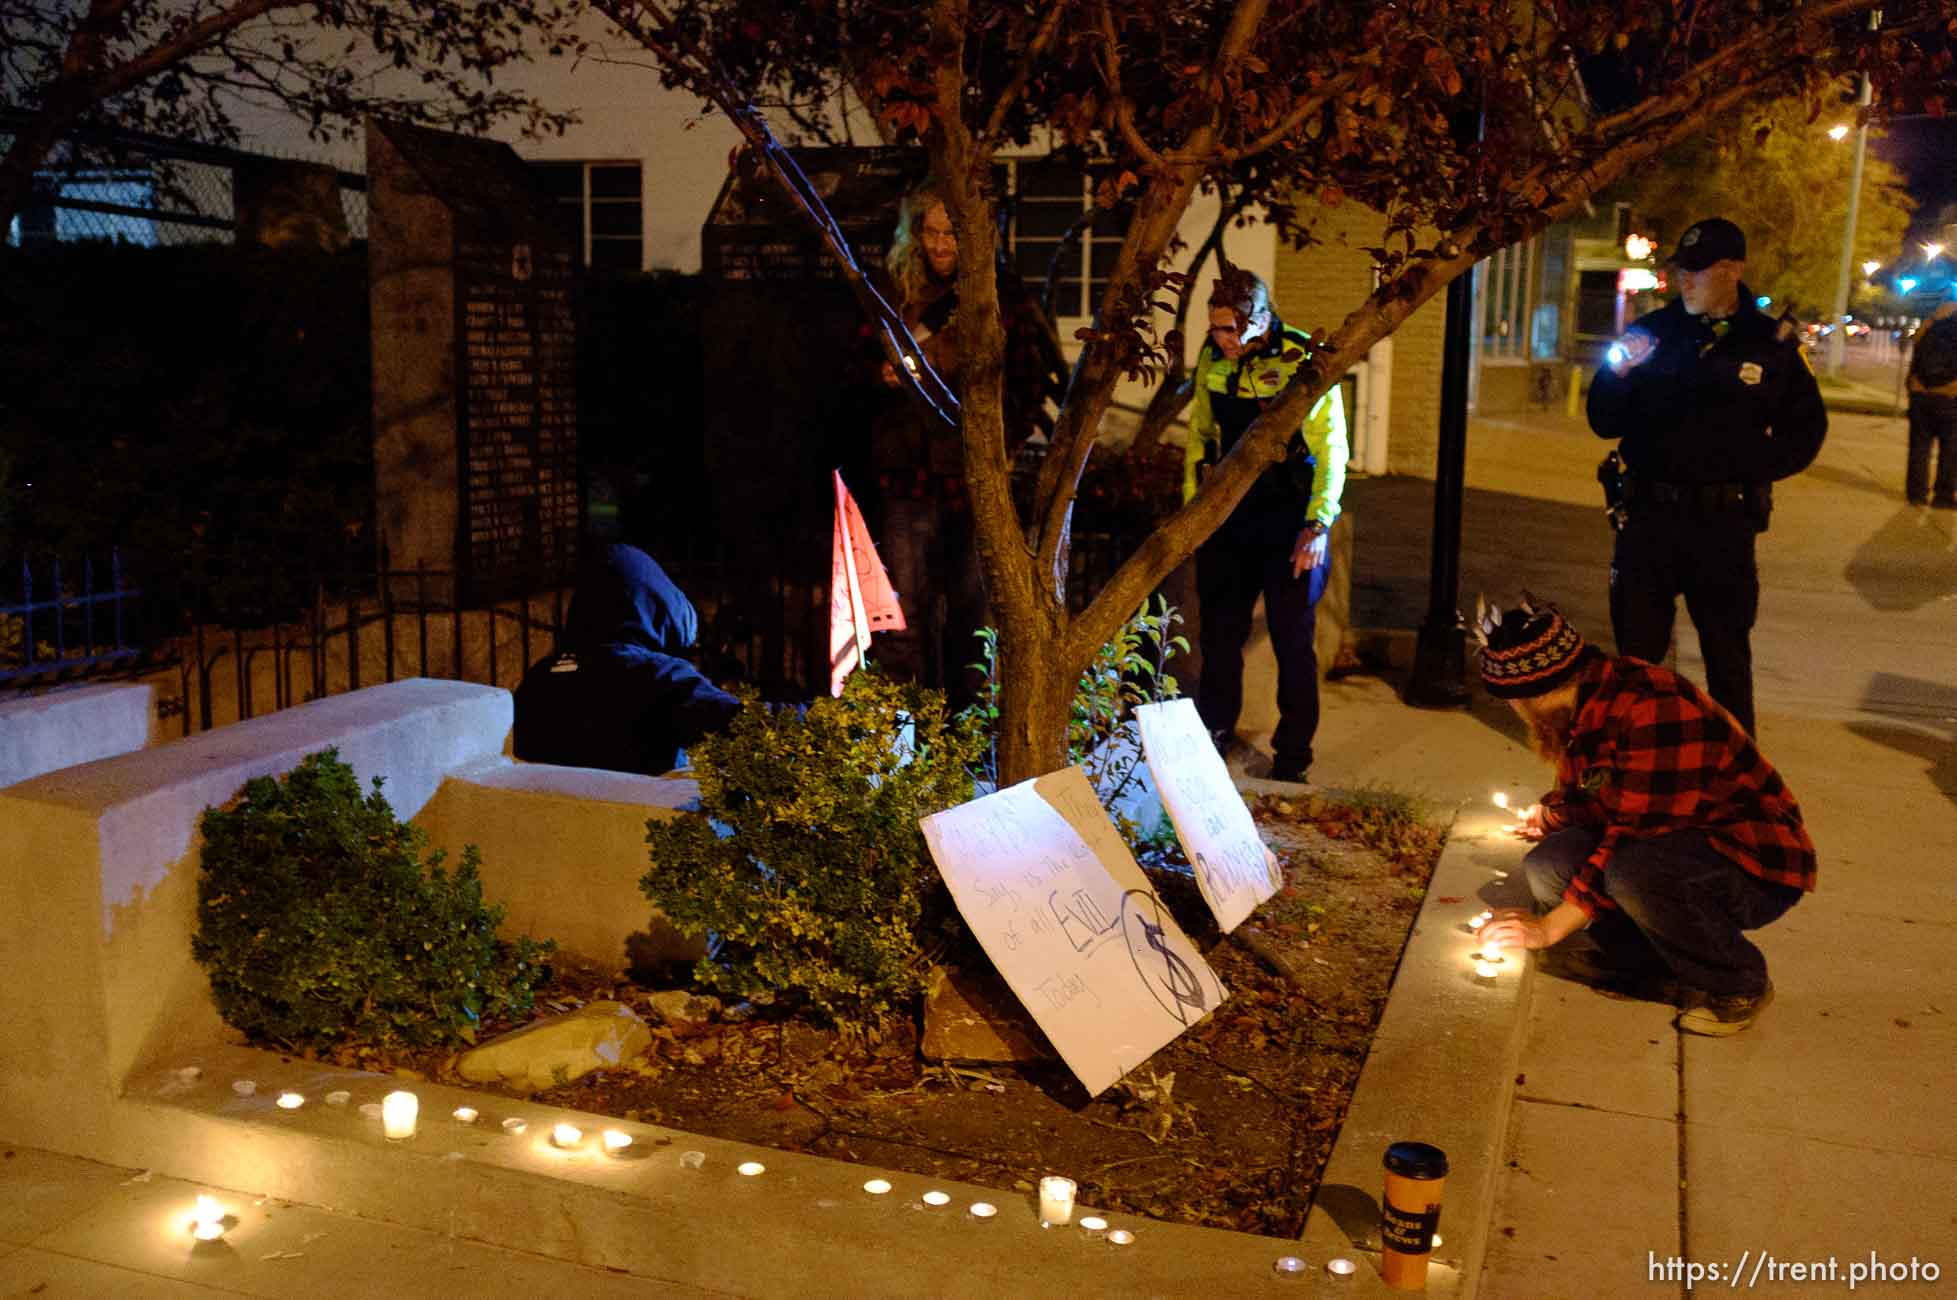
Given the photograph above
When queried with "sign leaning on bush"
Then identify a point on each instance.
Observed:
(1043, 879)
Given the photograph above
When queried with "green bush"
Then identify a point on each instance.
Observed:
(318, 921)
(1102, 740)
(816, 882)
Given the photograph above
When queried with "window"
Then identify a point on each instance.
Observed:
(600, 209)
(1045, 197)
(1503, 288)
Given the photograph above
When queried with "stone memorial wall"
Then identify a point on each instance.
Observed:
(475, 366)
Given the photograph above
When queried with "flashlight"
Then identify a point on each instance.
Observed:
(1616, 355)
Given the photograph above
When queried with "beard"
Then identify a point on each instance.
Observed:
(1549, 732)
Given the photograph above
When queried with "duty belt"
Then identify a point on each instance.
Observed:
(1694, 498)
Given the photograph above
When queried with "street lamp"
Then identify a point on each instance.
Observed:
(1930, 252)
(1837, 133)
(1637, 247)
(1869, 269)
(1837, 337)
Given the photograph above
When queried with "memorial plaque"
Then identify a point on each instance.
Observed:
(475, 364)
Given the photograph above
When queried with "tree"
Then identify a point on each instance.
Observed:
(1470, 124)
(184, 67)
(1777, 174)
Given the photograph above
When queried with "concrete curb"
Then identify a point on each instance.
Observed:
(677, 1209)
(1442, 1065)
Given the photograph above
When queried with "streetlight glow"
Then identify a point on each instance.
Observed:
(1838, 132)
(1932, 251)
(1870, 268)
(1906, 284)
(1637, 247)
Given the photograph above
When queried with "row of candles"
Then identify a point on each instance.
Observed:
(400, 1113)
(1487, 960)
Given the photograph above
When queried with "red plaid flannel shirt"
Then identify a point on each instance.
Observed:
(1650, 754)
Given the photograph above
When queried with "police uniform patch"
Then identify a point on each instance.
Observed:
(1750, 373)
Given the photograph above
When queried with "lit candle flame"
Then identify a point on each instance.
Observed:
(207, 1219)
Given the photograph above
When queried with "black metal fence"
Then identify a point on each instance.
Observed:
(53, 624)
(131, 187)
(88, 622)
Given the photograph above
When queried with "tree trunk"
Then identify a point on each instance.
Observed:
(1036, 700)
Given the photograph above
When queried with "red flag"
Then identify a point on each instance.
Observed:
(861, 600)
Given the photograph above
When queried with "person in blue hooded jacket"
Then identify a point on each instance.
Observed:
(618, 691)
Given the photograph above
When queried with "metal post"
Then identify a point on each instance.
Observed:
(1440, 655)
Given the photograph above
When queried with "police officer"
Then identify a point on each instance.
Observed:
(1275, 542)
(1713, 401)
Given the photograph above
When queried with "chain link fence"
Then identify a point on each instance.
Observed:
(127, 187)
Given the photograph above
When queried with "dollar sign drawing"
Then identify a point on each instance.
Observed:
(1177, 979)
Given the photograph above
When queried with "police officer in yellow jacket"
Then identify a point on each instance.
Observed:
(1275, 543)
(1714, 401)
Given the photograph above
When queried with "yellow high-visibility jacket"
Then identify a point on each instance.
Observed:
(1230, 394)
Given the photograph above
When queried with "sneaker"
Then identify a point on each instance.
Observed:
(1718, 1017)
(1289, 769)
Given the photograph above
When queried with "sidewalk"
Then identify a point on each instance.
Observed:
(1824, 1132)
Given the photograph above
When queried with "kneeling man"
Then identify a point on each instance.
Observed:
(1667, 835)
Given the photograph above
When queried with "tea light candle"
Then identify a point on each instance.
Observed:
(936, 1198)
(983, 1210)
(877, 1186)
(290, 1101)
(338, 1097)
(1091, 1223)
(1056, 1200)
(1121, 1237)
(465, 1114)
(749, 1168)
(1341, 1267)
(616, 1141)
(207, 1219)
(1288, 1266)
(566, 1136)
(1480, 919)
(514, 1126)
(1485, 971)
(398, 1110)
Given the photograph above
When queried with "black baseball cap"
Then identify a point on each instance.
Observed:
(1704, 242)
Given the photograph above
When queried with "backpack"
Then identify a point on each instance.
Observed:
(1935, 361)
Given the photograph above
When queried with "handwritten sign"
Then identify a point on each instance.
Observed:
(1044, 880)
(1233, 868)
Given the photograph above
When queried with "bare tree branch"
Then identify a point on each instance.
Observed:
(988, 138)
(699, 70)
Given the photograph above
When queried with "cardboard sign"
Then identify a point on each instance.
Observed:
(1234, 870)
(1044, 880)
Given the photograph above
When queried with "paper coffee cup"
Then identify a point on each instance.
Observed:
(1410, 1211)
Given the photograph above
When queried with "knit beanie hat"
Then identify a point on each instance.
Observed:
(1526, 651)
